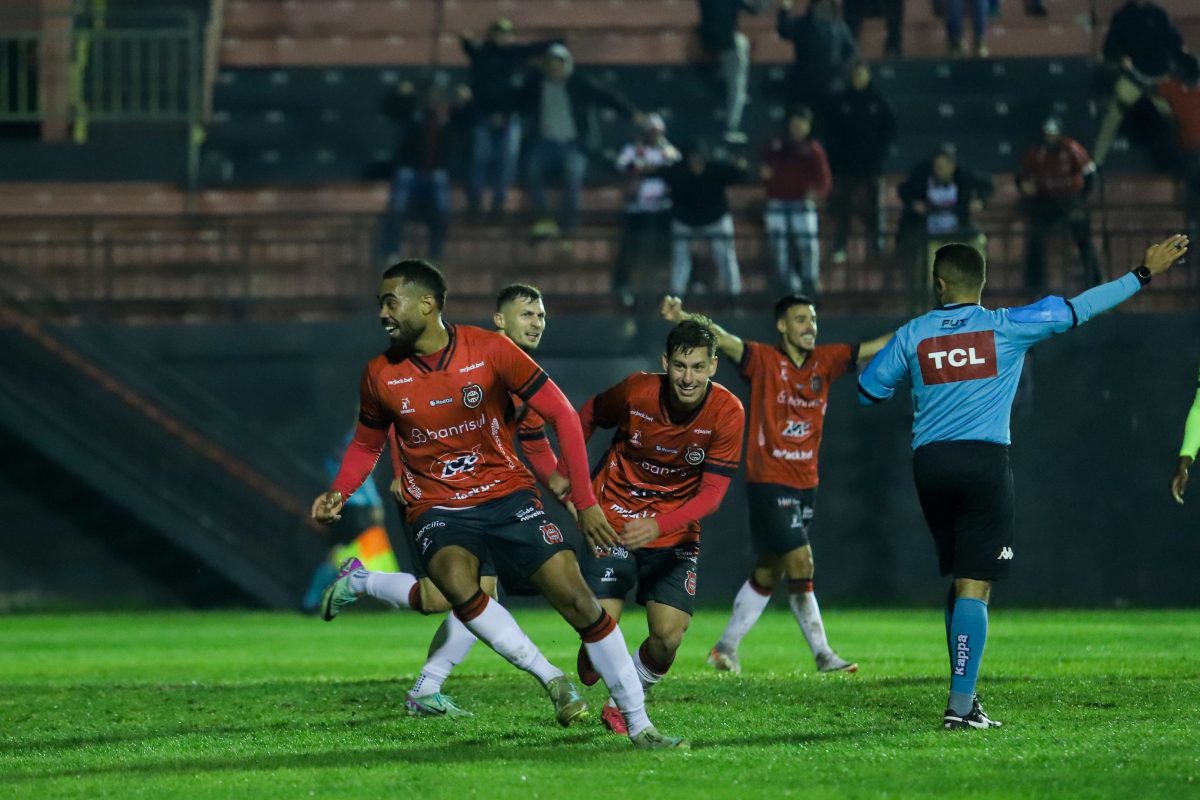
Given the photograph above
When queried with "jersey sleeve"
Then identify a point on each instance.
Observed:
(838, 359)
(1191, 430)
(610, 406)
(751, 363)
(1028, 325)
(520, 374)
(887, 369)
(531, 427)
(370, 410)
(725, 452)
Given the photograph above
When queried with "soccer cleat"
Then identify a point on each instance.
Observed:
(613, 719)
(832, 662)
(650, 739)
(434, 705)
(723, 660)
(583, 666)
(569, 705)
(975, 719)
(338, 593)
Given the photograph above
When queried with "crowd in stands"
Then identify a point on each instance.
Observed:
(526, 102)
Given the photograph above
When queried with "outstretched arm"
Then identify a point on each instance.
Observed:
(1157, 259)
(868, 349)
(731, 346)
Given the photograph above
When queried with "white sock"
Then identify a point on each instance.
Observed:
(808, 614)
(611, 659)
(647, 676)
(393, 588)
(748, 606)
(497, 627)
(450, 645)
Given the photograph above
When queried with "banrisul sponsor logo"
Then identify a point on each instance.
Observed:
(962, 654)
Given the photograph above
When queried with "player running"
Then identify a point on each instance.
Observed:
(446, 390)
(789, 391)
(964, 362)
(1187, 450)
(521, 316)
(677, 444)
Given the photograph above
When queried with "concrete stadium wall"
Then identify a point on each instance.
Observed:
(1096, 426)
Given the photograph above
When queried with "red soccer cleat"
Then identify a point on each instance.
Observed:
(613, 719)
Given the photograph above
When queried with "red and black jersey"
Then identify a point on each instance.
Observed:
(787, 410)
(656, 463)
(453, 417)
(1057, 172)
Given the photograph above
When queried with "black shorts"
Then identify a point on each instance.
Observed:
(780, 516)
(966, 492)
(664, 575)
(512, 533)
(487, 569)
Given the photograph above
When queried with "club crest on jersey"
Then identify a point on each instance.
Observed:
(455, 466)
(816, 384)
(689, 582)
(472, 395)
(551, 534)
(694, 455)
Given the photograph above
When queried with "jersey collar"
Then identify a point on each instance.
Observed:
(447, 353)
(955, 306)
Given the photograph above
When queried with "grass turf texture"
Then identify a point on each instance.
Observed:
(1095, 704)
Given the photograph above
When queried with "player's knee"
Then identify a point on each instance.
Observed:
(667, 641)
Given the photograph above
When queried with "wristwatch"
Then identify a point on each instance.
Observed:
(1143, 274)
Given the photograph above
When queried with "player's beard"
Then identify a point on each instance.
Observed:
(406, 334)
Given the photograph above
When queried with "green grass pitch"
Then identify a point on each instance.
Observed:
(182, 705)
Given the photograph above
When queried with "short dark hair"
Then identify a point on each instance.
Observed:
(784, 304)
(688, 335)
(800, 110)
(959, 265)
(517, 291)
(422, 274)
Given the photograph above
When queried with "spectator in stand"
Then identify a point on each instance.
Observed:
(645, 232)
(561, 103)
(700, 210)
(940, 198)
(824, 50)
(1057, 176)
(862, 127)
(1141, 45)
(892, 11)
(432, 130)
(796, 173)
(1182, 93)
(720, 38)
(980, 11)
(496, 68)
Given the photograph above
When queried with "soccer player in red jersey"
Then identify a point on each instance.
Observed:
(789, 390)
(677, 444)
(446, 389)
(521, 316)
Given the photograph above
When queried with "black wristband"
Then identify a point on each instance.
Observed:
(1143, 274)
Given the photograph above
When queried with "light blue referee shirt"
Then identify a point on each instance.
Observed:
(964, 361)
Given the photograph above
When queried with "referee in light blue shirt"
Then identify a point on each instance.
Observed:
(964, 362)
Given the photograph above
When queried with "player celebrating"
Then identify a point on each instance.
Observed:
(446, 390)
(789, 390)
(678, 441)
(521, 316)
(964, 362)
(1188, 450)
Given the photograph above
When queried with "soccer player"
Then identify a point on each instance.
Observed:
(964, 362)
(789, 390)
(446, 390)
(1188, 450)
(677, 443)
(521, 316)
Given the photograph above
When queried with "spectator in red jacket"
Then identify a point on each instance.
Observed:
(796, 173)
(1182, 93)
(1056, 178)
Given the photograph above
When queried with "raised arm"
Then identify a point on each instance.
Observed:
(879, 380)
(730, 345)
(1157, 259)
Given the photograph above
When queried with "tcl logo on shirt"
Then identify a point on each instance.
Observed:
(958, 357)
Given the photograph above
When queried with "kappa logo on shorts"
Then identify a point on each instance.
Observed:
(1006, 554)
(455, 466)
(689, 582)
(472, 395)
(694, 455)
(551, 534)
